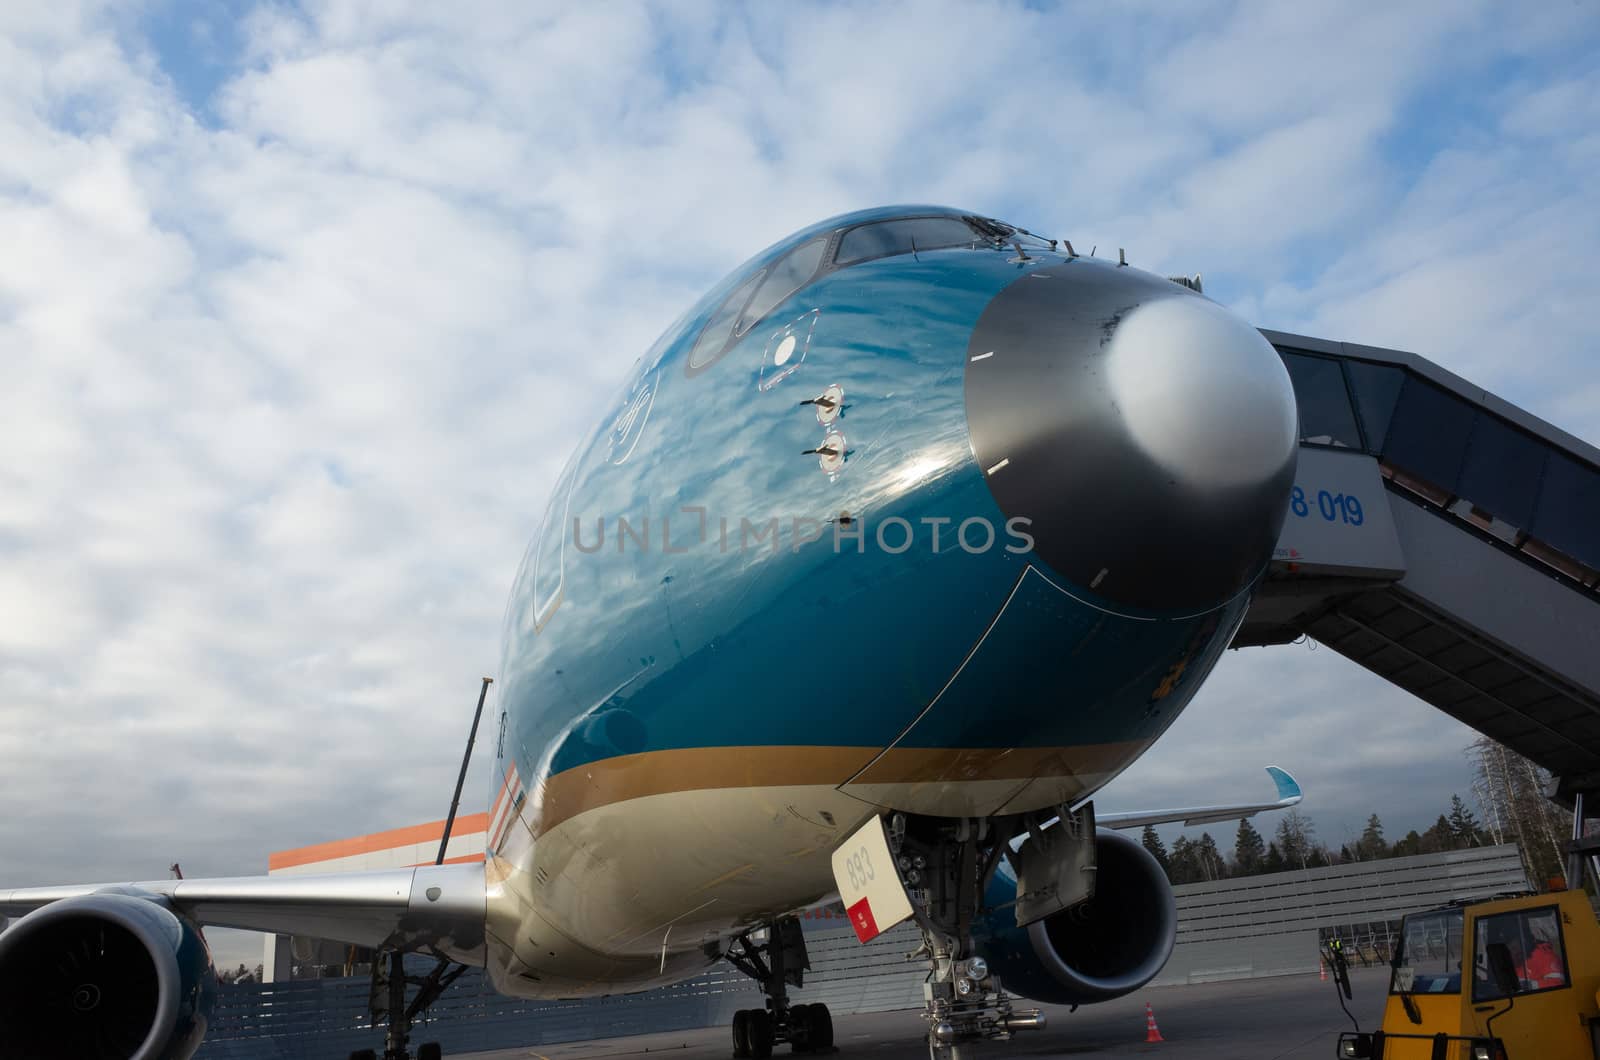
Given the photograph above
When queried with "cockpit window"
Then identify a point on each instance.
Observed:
(783, 280)
(714, 337)
(902, 236)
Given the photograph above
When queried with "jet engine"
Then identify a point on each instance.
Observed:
(115, 975)
(1101, 948)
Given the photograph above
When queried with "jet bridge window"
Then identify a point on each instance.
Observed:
(1502, 470)
(884, 238)
(1428, 435)
(1376, 388)
(1569, 509)
(1326, 417)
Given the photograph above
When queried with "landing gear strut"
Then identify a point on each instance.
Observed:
(946, 866)
(776, 964)
(388, 999)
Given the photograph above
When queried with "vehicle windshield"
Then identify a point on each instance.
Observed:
(1429, 959)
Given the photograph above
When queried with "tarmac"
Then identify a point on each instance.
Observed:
(1284, 1018)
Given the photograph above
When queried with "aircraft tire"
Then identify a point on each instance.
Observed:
(800, 1037)
(741, 1033)
(760, 1034)
(819, 1022)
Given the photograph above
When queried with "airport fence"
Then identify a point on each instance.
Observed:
(1229, 929)
(1273, 925)
(329, 1018)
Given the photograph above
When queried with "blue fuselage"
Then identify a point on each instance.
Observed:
(782, 561)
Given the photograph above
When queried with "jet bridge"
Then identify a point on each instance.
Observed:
(1447, 541)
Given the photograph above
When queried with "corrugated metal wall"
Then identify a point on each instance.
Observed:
(1270, 925)
(1263, 925)
(328, 1017)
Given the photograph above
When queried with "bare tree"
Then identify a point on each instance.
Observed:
(1510, 792)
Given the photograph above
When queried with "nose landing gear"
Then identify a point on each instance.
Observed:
(776, 963)
(946, 866)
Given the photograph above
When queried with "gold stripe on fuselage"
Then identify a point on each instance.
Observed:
(1075, 771)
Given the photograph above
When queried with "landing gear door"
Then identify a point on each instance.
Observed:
(869, 882)
(1056, 866)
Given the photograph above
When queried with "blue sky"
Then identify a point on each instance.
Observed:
(302, 305)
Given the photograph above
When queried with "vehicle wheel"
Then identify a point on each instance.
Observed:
(800, 1028)
(430, 1051)
(820, 1024)
(760, 1033)
(741, 1033)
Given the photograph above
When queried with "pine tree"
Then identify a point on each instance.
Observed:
(1185, 862)
(1509, 789)
(1157, 848)
(1439, 837)
(1463, 825)
(1411, 844)
(1273, 862)
(1371, 845)
(1248, 850)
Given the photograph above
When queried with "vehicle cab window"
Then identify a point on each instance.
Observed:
(1533, 938)
(1429, 961)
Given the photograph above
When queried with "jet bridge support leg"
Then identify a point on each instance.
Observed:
(1582, 848)
(778, 962)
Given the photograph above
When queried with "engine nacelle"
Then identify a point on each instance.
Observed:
(1100, 949)
(110, 976)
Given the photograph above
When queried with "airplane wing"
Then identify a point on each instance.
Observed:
(1288, 795)
(434, 908)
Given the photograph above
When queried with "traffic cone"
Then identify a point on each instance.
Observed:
(1322, 971)
(1152, 1033)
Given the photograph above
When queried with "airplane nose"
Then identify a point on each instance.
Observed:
(1148, 434)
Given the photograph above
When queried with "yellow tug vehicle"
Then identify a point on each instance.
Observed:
(1509, 978)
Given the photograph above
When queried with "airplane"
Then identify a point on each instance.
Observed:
(908, 537)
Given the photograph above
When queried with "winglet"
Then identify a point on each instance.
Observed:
(1288, 789)
(1288, 795)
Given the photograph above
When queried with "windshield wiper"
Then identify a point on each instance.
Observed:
(1412, 1012)
(997, 232)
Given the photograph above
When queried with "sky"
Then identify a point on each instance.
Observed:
(303, 306)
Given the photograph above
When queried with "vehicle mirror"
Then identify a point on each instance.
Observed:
(1355, 1046)
(1502, 968)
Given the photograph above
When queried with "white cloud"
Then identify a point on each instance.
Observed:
(288, 370)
